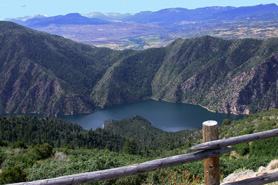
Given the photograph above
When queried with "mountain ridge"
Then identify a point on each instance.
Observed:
(51, 75)
(210, 12)
(159, 28)
(196, 71)
(55, 77)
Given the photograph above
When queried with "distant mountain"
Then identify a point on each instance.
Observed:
(164, 16)
(71, 19)
(247, 13)
(21, 20)
(156, 29)
(175, 15)
(107, 16)
(47, 74)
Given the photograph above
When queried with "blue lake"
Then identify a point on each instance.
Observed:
(166, 116)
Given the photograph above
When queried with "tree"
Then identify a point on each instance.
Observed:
(129, 147)
(226, 122)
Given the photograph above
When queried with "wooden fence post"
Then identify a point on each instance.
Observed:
(211, 165)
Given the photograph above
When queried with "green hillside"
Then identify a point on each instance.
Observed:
(25, 159)
(47, 74)
(51, 75)
(59, 133)
(230, 76)
(146, 136)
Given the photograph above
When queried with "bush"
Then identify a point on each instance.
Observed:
(226, 122)
(265, 147)
(19, 144)
(3, 143)
(135, 179)
(20, 160)
(2, 157)
(43, 151)
(242, 149)
(12, 174)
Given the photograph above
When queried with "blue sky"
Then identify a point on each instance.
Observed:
(21, 8)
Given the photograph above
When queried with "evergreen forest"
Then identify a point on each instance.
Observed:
(33, 148)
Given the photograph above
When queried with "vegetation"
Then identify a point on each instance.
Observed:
(195, 71)
(148, 138)
(266, 120)
(22, 160)
(51, 75)
(23, 131)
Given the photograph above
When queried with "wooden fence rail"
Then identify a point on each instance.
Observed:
(132, 169)
(210, 150)
(235, 140)
(264, 179)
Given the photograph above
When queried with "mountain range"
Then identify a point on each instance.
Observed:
(155, 29)
(48, 74)
(164, 16)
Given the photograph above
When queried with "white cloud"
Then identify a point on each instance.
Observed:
(24, 5)
(3, 6)
(124, 1)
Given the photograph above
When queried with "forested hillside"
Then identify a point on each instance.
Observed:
(140, 130)
(230, 76)
(50, 75)
(24, 160)
(47, 74)
(32, 130)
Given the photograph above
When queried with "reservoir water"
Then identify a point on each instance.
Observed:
(166, 116)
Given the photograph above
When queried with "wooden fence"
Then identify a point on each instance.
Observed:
(210, 152)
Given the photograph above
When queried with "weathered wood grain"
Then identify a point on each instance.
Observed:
(211, 165)
(132, 169)
(264, 179)
(235, 140)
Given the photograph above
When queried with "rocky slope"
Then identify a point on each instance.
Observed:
(231, 76)
(238, 175)
(47, 74)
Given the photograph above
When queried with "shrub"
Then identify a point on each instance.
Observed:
(242, 149)
(12, 174)
(20, 160)
(19, 144)
(3, 143)
(2, 157)
(43, 151)
(226, 122)
(264, 147)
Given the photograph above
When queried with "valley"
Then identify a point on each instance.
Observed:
(25, 155)
(139, 36)
(112, 90)
(149, 29)
(50, 75)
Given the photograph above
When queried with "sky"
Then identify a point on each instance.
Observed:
(22, 8)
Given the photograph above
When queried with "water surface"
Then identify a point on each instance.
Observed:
(166, 116)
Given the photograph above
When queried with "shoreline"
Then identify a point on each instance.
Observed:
(210, 110)
(98, 108)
